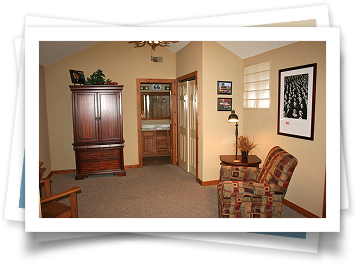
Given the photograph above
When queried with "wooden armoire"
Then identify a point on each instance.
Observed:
(98, 129)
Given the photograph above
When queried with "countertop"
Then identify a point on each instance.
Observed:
(155, 127)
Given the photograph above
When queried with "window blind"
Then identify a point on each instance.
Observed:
(257, 86)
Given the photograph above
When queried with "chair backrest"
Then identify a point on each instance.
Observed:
(278, 167)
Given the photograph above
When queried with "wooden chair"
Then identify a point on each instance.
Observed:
(52, 208)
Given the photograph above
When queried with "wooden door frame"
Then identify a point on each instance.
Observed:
(182, 78)
(173, 118)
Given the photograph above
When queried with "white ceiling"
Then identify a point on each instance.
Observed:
(246, 49)
(53, 51)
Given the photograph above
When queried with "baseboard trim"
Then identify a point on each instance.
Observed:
(71, 171)
(299, 209)
(207, 183)
(58, 172)
(131, 166)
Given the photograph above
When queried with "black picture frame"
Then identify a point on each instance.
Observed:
(296, 101)
(224, 104)
(224, 87)
(77, 77)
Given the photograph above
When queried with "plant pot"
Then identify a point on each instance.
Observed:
(245, 155)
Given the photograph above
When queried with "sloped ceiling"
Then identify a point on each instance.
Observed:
(54, 51)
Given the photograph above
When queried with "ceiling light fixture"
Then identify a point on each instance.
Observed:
(153, 44)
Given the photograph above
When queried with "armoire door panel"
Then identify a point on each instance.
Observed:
(86, 117)
(109, 126)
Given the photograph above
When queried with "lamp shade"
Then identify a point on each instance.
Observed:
(233, 117)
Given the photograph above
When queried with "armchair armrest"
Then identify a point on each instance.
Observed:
(60, 195)
(244, 189)
(239, 173)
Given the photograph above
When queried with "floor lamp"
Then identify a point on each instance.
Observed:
(233, 117)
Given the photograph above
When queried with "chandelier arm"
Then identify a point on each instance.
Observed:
(152, 44)
(138, 43)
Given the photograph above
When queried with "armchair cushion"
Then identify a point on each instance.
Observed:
(239, 173)
(240, 199)
(244, 188)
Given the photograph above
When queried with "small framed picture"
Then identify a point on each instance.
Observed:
(224, 104)
(77, 77)
(296, 102)
(224, 87)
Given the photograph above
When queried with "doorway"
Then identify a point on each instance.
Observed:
(156, 117)
(187, 97)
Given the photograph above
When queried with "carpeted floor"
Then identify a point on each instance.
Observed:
(156, 160)
(160, 191)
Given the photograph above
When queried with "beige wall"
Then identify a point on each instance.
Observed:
(306, 188)
(44, 144)
(121, 63)
(218, 135)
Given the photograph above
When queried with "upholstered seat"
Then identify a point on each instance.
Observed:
(248, 192)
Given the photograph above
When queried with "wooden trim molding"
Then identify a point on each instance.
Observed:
(73, 171)
(59, 172)
(299, 209)
(173, 117)
(208, 183)
(131, 166)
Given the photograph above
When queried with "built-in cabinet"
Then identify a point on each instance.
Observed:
(98, 130)
(156, 143)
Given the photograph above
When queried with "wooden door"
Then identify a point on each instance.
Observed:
(192, 122)
(109, 112)
(183, 132)
(162, 142)
(85, 117)
(148, 143)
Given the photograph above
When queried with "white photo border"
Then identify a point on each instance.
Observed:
(33, 35)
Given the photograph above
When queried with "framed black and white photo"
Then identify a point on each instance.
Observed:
(224, 87)
(296, 101)
(224, 104)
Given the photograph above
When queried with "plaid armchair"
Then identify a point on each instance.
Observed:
(248, 192)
